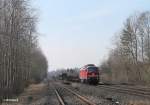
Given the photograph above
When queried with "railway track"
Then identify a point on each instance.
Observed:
(127, 90)
(134, 88)
(67, 96)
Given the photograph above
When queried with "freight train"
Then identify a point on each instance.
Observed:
(89, 74)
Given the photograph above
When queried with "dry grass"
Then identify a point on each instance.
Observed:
(34, 89)
(33, 93)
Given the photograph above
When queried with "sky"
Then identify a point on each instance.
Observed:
(78, 32)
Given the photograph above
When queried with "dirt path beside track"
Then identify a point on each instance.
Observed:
(36, 94)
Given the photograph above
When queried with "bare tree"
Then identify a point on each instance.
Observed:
(17, 42)
(131, 56)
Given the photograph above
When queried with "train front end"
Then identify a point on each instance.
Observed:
(92, 75)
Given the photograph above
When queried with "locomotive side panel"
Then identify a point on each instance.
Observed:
(83, 75)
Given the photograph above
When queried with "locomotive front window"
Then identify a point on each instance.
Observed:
(92, 69)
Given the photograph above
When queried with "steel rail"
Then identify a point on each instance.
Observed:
(133, 88)
(59, 98)
(127, 91)
(81, 97)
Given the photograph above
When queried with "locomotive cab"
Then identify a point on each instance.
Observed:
(89, 74)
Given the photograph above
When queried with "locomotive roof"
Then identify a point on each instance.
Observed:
(87, 66)
(90, 65)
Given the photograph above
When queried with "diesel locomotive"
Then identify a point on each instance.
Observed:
(89, 74)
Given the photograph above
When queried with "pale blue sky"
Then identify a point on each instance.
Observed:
(77, 32)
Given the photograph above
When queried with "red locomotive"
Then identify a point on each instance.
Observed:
(89, 74)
